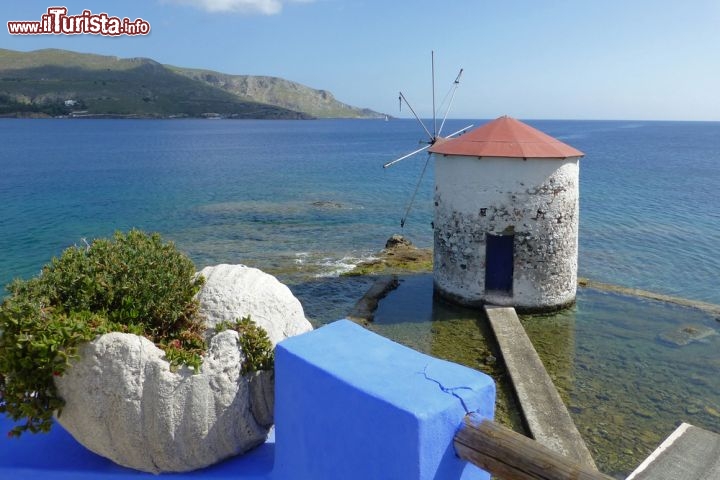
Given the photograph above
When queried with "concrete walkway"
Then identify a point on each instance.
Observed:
(545, 413)
(690, 453)
(710, 308)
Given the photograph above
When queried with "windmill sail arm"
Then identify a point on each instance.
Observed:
(457, 79)
(432, 62)
(389, 164)
(406, 156)
(416, 117)
(455, 86)
(460, 131)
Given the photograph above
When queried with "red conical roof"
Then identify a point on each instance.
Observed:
(505, 137)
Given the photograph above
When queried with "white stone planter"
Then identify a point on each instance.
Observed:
(123, 402)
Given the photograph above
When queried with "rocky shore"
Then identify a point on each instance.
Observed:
(398, 257)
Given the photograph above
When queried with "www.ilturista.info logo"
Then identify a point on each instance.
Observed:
(57, 22)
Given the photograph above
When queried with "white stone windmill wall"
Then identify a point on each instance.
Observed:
(506, 217)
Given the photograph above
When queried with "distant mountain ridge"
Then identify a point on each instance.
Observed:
(60, 82)
(279, 92)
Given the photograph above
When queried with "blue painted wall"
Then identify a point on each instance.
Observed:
(349, 404)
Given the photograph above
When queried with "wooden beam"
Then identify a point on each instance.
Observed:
(511, 456)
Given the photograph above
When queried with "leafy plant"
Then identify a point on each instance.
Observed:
(254, 343)
(131, 283)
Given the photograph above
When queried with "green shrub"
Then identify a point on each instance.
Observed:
(132, 283)
(254, 343)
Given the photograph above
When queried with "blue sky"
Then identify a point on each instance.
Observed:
(531, 59)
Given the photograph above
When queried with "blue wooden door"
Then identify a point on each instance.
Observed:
(499, 262)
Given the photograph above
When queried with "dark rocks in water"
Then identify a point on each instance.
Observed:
(326, 204)
(364, 310)
(397, 241)
(398, 256)
(687, 334)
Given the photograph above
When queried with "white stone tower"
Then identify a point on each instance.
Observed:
(506, 217)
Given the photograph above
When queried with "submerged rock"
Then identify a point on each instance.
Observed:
(125, 403)
(687, 334)
(326, 204)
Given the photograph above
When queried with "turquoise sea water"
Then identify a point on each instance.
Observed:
(306, 200)
(310, 198)
(285, 196)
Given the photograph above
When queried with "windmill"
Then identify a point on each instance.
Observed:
(436, 133)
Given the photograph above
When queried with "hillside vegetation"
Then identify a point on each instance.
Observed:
(41, 82)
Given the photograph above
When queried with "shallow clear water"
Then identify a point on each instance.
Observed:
(626, 389)
(411, 316)
(306, 200)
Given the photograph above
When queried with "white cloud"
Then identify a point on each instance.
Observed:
(263, 7)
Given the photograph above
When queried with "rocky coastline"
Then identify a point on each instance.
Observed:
(399, 256)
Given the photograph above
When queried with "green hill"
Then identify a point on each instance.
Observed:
(57, 82)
